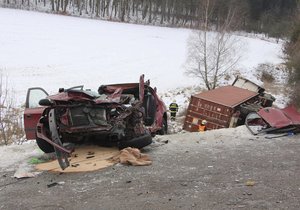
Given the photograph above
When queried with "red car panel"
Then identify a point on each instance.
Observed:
(279, 118)
(31, 118)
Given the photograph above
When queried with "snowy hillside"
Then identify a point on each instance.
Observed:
(55, 51)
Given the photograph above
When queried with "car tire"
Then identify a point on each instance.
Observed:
(138, 142)
(44, 145)
(164, 129)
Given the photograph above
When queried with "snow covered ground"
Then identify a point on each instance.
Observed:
(55, 51)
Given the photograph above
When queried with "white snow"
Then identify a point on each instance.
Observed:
(16, 154)
(55, 51)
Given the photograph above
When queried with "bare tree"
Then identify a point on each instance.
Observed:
(212, 54)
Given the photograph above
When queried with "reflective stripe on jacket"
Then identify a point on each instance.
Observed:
(173, 107)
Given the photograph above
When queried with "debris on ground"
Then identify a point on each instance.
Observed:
(132, 156)
(274, 121)
(25, 171)
(274, 136)
(35, 160)
(83, 159)
(54, 184)
(250, 183)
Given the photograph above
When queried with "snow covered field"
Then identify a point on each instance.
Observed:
(55, 51)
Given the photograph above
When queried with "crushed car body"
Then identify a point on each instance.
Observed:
(273, 120)
(119, 115)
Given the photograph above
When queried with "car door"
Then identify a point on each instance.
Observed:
(33, 110)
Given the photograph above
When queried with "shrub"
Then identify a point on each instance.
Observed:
(11, 126)
(267, 77)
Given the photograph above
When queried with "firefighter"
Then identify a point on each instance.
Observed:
(202, 126)
(173, 109)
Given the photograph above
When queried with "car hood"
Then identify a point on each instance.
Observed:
(82, 95)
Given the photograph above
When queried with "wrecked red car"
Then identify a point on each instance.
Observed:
(120, 115)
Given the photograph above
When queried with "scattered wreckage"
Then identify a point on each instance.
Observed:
(271, 120)
(226, 106)
(243, 102)
(123, 115)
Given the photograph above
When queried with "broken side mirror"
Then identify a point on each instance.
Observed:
(45, 102)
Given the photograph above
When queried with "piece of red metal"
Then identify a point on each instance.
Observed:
(279, 118)
(39, 135)
(292, 113)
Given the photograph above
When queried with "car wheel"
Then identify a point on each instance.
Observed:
(164, 129)
(44, 145)
(138, 142)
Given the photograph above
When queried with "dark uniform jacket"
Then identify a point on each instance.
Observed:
(173, 107)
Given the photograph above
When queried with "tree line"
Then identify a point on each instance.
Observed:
(271, 17)
(292, 52)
